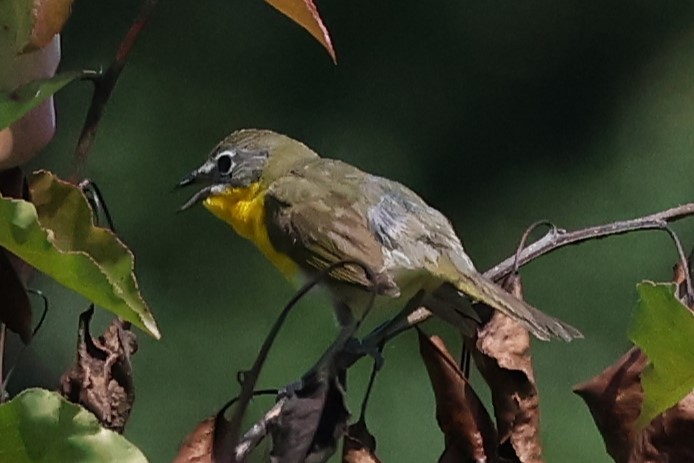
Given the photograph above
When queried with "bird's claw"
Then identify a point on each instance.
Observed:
(291, 389)
(357, 347)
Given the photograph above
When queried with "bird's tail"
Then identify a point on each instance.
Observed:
(479, 288)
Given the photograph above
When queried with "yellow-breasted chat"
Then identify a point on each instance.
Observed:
(306, 213)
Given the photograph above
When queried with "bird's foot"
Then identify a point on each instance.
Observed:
(359, 348)
(291, 389)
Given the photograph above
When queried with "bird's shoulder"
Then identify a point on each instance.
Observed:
(317, 179)
(314, 214)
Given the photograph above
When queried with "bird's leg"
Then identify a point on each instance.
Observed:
(395, 324)
(344, 338)
(354, 346)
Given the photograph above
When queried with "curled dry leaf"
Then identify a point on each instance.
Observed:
(614, 398)
(207, 443)
(304, 424)
(305, 14)
(502, 354)
(359, 445)
(310, 422)
(468, 429)
(669, 437)
(197, 447)
(101, 379)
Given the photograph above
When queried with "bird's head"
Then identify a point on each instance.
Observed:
(242, 160)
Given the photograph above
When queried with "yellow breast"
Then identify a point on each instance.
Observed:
(244, 210)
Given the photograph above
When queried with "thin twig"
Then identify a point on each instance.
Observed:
(559, 238)
(369, 388)
(96, 201)
(104, 85)
(258, 431)
(524, 239)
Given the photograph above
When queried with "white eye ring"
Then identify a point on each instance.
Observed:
(225, 162)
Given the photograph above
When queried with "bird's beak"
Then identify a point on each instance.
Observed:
(200, 196)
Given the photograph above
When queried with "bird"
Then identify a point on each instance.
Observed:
(307, 214)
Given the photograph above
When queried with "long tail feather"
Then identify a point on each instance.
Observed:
(479, 288)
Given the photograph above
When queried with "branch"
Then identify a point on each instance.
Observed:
(556, 238)
(258, 431)
(104, 85)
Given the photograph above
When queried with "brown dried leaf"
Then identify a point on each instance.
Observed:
(359, 445)
(669, 437)
(614, 398)
(101, 379)
(502, 354)
(197, 447)
(310, 423)
(469, 431)
(305, 14)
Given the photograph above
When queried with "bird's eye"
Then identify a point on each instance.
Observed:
(224, 164)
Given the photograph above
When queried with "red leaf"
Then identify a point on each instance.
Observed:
(49, 18)
(305, 14)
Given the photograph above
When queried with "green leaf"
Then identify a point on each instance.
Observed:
(663, 328)
(56, 235)
(16, 103)
(39, 426)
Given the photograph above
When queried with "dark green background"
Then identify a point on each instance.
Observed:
(500, 113)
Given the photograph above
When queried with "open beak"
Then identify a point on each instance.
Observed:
(198, 197)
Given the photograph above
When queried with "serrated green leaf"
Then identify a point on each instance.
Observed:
(56, 235)
(663, 328)
(39, 426)
(16, 103)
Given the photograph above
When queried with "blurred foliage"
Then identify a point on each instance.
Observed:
(16, 103)
(498, 113)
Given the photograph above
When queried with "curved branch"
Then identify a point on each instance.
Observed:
(559, 238)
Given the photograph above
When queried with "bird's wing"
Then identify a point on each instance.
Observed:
(316, 225)
(404, 222)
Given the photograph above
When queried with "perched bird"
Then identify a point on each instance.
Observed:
(306, 213)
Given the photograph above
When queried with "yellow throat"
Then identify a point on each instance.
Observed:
(244, 210)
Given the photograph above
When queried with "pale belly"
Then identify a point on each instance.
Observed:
(359, 300)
